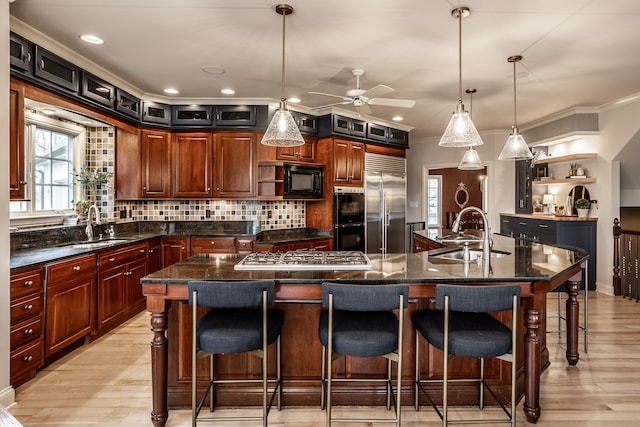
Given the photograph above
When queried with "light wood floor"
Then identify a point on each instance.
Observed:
(107, 383)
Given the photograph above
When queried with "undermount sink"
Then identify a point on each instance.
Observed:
(458, 254)
(95, 244)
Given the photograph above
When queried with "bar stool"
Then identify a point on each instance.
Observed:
(584, 289)
(462, 326)
(359, 322)
(240, 321)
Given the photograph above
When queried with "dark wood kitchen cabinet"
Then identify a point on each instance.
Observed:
(348, 162)
(154, 253)
(524, 201)
(155, 164)
(192, 165)
(119, 289)
(52, 68)
(303, 153)
(174, 249)
(236, 167)
(17, 181)
(213, 245)
(143, 165)
(71, 302)
(27, 324)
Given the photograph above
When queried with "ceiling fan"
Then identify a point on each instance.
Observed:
(361, 98)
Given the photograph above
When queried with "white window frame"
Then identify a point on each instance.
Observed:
(50, 217)
(433, 229)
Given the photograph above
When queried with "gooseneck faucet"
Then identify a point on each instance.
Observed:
(486, 245)
(89, 229)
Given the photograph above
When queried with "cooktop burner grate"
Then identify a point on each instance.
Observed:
(305, 260)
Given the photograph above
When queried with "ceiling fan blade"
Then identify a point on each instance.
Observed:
(390, 102)
(331, 105)
(344, 98)
(364, 109)
(377, 91)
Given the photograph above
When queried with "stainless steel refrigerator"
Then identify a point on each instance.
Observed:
(385, 193)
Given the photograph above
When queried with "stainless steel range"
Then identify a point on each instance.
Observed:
(305, 260)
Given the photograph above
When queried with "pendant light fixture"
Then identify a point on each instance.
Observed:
(515, 148)
(283, 131)
(471, 158)
(460, 132)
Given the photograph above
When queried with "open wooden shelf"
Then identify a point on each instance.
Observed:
(565, 181)
(567, 158)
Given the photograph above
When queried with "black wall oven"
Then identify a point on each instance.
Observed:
(348, 219)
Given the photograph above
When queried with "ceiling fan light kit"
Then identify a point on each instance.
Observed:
(460, 131)
(282, 130)
(515, 148)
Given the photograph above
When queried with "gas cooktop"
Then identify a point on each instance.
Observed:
(305, 260)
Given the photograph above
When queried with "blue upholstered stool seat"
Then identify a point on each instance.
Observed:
(236, 331)
(470, 334)
(361, 334)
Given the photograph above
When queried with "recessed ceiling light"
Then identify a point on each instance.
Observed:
(228, 91)
(48, 111)
(213, 69)
(171, 91)
(294, 100)
(397, 119)
(90, 38)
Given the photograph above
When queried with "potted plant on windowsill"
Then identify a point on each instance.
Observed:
(582, 206)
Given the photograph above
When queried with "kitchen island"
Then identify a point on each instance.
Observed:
(537, 268)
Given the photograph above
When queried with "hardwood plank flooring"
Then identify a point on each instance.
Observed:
(108, 383)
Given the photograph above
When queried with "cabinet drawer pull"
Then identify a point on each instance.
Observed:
(142, 251)
(28, 331)
(543, 226)
(522, 223)
(28, 307)
(111, 259)
(28, 358)
(76, 268)
(28, 282)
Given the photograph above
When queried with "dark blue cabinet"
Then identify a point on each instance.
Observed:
(127, 104)
(21, 54)
(98, 90)
(54, 69)
(156, 113)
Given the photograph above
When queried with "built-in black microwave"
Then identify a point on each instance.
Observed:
(303, 181)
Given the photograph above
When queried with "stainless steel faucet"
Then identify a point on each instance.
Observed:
(486, 245)
(89, 229)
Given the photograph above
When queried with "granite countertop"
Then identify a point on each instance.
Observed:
(46, 252)
(526, 261)
(550, 217)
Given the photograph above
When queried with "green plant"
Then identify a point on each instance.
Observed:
(583, 204)
(81, 206)
(91, 178)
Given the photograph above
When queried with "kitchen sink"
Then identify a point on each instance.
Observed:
(94, 244)
(458, 253)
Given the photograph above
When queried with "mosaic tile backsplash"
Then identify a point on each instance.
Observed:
(272, 215)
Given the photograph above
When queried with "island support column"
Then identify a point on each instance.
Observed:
(572, 308)
(532, 361)
(159, 356)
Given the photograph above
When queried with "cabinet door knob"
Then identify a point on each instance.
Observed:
(23, 182)
(28, 282)
(41, 64)
(76, 268)
(213, 242)
(151, 251)
(28, 358)
(144, 188)
(28, 307)
(28, 331)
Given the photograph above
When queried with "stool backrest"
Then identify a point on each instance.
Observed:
(353, 297)
(477, 298)
(223, 294)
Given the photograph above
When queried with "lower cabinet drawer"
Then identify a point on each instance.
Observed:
(26, 307)
(27, 331)
(72, 269)
(29, 357)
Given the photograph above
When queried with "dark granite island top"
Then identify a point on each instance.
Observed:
(522, 261)
(537, 268)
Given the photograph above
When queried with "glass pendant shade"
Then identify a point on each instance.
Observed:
(282, 131)
(461, 132)
(471, 160)
(515, 148)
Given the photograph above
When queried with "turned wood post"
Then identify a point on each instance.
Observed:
(617, 283)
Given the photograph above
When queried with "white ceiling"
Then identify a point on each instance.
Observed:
(577, 53)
